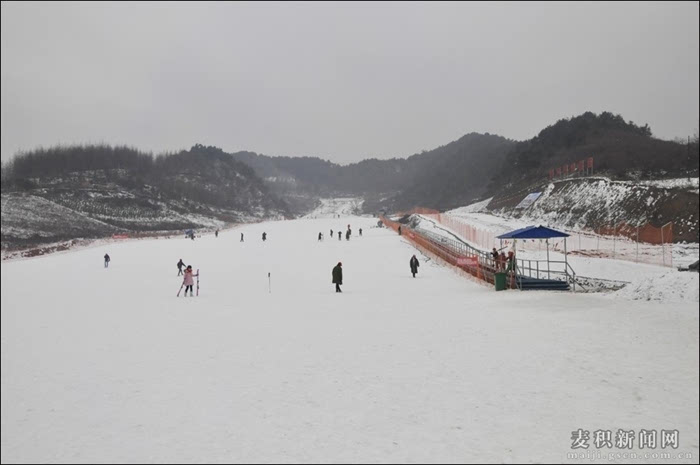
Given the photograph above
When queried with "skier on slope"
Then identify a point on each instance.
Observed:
(331, 236)
(241, 237)
(107, 259)
(189, 280)
(338, 276)
(216, 233)
(348, 233)
(180, 264)
(414, 265)
(264, 236)
(320, 236)
(360, 232)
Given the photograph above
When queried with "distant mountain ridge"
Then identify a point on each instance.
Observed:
(446, 176)
(125, 189)
(478, 166)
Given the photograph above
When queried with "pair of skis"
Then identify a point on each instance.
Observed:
(183, 285)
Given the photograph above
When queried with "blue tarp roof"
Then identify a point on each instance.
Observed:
(533, 232)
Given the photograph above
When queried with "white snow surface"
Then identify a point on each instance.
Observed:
(473, 208)
(107, 365)
(331, 208)
(674, 183)
(672, 286)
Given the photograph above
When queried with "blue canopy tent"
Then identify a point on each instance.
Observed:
(536, 232)
(533, 232)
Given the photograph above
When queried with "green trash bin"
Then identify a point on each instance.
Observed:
(500, 281)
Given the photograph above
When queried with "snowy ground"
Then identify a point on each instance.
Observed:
(107, 365)
(331, 208)
(691, 184)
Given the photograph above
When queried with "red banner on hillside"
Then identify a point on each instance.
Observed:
(581, 167)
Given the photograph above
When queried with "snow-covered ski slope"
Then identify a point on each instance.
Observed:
(331, 208)
(107, 365)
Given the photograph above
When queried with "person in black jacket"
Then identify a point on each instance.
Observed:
(264, 236)
(107, 259)
(338, 276)
(180, 264)
(414, 265)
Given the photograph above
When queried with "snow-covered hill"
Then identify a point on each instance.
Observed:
(65, 209)
(589, 203)
(107, 365)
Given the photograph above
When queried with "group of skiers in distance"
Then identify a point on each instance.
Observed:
(337, 272)
(348, 233)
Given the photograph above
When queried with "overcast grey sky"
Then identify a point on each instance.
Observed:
(343, 81)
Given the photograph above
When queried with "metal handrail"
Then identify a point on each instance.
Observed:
(456, 248)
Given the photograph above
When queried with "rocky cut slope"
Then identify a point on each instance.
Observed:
(598, 203)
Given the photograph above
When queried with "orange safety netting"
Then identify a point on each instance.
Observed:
(474, 265)
(646, 233)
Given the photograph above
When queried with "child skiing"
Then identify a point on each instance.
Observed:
(188, 282)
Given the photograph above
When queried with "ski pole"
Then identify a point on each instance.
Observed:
(181, 286)
(269, 283)
(197, 282)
